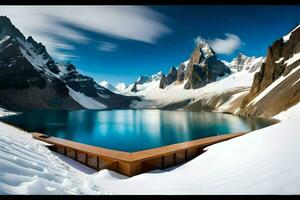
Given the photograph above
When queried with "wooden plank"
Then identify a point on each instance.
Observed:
(162, 162)
(174, 158)
(140, 155)
(131, 164)
(76, 158)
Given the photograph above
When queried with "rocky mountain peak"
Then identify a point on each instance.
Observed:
(16, 43)
(38, 48)
(202, 51)
(169, 79)
(241, 57)
(8, 29)
(202, 67)
(205, 49)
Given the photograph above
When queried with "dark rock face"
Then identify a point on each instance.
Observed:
(79, 82)
(203, 67)
(169, 79)
(7, 28)
(196, 77)
(134, 88)
(22, 86)
(172, 75)
(181, 73)
(163, 82)
(30, 78)
(274, 67)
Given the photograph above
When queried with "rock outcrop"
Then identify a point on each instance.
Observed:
(282, 58)
(203, 67)
(169, 79)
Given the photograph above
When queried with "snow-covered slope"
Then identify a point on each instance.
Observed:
(85, 101)
(28, 167)
(292, 112)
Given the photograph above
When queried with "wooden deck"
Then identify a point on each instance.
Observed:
(131, 164)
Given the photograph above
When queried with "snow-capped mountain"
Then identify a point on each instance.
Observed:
(107, 85)
(142, 83)
(146, 79)
(203, 67)
(242, 62)
(30, 78)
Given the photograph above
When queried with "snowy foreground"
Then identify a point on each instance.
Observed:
(265, 161)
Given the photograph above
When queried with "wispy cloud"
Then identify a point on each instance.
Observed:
(107, 46)
(138, 23)
(65, 56)
(226, 46)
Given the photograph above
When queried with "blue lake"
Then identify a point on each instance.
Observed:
(132, 130)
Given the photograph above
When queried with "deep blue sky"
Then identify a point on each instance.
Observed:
(256, 26)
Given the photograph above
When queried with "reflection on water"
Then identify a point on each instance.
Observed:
(133, 130)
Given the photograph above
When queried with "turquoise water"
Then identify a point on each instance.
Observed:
(132, 130)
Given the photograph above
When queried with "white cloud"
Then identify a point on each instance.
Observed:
(225, 46)
(65, 56)
(123, 22)
(107, 46)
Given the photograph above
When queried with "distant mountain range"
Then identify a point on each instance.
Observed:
(247, 86)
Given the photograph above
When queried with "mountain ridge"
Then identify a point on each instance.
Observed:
(27, 70)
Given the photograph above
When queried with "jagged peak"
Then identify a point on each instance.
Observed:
(244, 62)
(201, 52)
(5, 19)
(205, 49)
(173, 68)
(8, 29)
(154, 77)
(28, 46)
